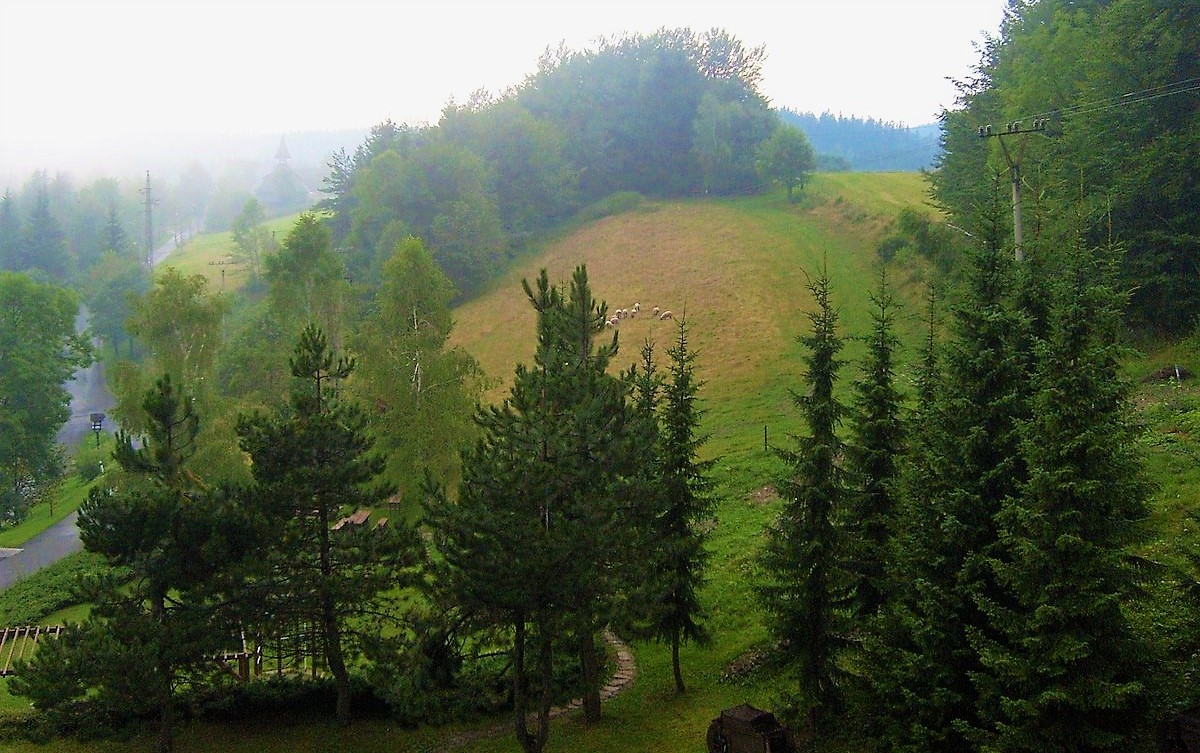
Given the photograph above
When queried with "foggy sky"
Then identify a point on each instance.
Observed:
(95, 81)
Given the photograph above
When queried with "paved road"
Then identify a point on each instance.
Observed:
(47, 548)
(89, 394)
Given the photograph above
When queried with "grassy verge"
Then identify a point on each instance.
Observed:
(42, 597)
(61, 502)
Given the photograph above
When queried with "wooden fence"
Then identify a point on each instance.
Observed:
(18, 643)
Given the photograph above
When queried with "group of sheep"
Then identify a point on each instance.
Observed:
(631, 313)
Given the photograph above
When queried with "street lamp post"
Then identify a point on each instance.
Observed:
(97, 425)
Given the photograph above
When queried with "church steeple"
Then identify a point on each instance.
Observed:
(282, 155)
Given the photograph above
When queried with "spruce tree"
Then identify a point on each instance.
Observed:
(45, 244)
(10, 232)
(874, 456)
(803, 586)
(682, 495)
(965, 461)
(1060, 669)
(115, 237)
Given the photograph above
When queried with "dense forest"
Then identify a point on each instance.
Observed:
(1116, 83)
(957, 562)
(846, 142)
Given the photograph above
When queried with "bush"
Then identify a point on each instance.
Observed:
(303, 696)
(616, 203)
(52, 588)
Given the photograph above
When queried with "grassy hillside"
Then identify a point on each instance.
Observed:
(217, 257)
(738, 271)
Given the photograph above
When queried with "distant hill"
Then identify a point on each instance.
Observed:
(850, 143)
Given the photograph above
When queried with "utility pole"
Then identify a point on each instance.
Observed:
(149, 203)
(1014, 167)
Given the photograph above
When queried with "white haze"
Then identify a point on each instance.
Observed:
(121, 85)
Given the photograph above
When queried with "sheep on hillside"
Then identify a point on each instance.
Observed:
(665, 315)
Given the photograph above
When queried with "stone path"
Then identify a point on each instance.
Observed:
(622, 678)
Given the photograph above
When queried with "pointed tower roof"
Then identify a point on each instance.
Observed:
(282, 154)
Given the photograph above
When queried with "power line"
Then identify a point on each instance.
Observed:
(1148, 94)
(1040, 123)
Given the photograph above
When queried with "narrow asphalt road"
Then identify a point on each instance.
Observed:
(89, 394)
(46, 548)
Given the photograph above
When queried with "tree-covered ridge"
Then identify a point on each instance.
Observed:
(674, 113)
(1117, 82)
(846, 142)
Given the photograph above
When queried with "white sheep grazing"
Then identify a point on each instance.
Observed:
(656, 310)
(665, 315)
(633, 313)
(608, 323)
(637, 307)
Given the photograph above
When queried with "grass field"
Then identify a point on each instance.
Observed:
(217, 257)
(64, 501)
(737, 270)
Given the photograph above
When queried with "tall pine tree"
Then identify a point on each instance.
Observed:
(1060, 668)
(45, 244)
(312, 463)
(966, 462)
(534, 540)
(874, 455)
(803, 586)
(681, 502)
(150, 633)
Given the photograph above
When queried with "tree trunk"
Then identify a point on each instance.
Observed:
(166, 723)
(519, 715)
(331, 630)
(546, 670)
(337, 664)
(590, 670)
(679, 688)
(162, 681)
(531, 742)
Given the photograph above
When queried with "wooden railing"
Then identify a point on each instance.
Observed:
(18, 643)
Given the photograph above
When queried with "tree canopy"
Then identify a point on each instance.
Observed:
(39, 351)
